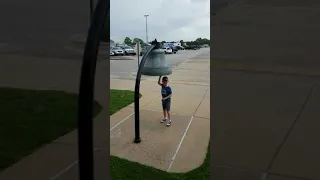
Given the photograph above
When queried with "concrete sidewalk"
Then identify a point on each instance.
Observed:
(164, 147)
(190, 123)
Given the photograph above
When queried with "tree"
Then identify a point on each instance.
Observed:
(128, 41)
(136, 40)
(198, 42)
(162, 42)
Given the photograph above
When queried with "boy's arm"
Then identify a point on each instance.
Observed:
(159, 81)
(167, 97)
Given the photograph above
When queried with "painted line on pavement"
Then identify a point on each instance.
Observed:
(121, 121)
(185, 132)
(76, 161)
(64, 170)
(72, 165)
(178, 148)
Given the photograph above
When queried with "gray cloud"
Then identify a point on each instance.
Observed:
(168, 20)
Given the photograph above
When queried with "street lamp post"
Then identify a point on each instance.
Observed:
(146, 16)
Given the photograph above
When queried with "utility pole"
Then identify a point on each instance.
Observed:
(146, 16)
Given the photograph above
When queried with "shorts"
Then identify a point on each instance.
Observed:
(166, 105)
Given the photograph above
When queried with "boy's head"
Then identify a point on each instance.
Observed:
(165, 80)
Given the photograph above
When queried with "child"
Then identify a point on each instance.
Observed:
(166, 99)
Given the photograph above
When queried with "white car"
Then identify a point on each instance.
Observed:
(129, 50)
(117, 51)
(167, 50)
(111, 53)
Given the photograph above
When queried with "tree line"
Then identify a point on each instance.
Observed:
(133, 42)
(198, 41)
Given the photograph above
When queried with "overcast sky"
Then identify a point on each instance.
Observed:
(169, 20)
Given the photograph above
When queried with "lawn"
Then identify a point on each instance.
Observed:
(30, 119)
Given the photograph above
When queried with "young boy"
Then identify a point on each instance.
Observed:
(166, 99)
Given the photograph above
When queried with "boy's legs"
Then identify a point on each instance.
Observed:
(164, 112)
(168, 112)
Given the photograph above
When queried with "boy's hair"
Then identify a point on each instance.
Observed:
(165, 78)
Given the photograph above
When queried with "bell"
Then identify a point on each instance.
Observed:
(156, 64)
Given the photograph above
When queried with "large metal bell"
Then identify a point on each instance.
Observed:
(156, 64)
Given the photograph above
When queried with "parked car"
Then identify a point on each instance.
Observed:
(179, 47)
(174, 49)
(192, 47)
(167, 50)
(117, 51)
(129, 50)
(111, 52)
(144, 50)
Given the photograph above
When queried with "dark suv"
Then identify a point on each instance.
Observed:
(193, 47)
(174, 49)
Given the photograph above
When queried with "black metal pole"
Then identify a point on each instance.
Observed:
(91, 10)
(137, 94)
(86, 91)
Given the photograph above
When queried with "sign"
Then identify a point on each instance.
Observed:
(137, 48)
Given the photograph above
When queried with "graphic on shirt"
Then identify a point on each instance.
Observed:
(166, 91)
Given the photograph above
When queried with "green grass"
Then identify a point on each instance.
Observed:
(127, 170)
(30, 119)
(120, 99)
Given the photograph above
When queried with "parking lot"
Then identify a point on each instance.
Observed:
(125, 67)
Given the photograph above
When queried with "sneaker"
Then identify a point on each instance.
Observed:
(169, 123)
(163, 120)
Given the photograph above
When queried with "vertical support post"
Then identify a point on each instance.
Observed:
(137, 138)
(91, 10)
(86, 91)
(138, 53)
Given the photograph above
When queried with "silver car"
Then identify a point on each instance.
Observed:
(117, 51)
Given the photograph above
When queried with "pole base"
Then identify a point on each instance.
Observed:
(137, 140)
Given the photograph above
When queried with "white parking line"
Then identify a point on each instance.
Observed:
(121, 121)
(177, 150)
(64, 170)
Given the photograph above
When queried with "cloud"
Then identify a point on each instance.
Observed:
(168, 20)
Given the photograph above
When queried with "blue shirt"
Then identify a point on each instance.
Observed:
(166, 91)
